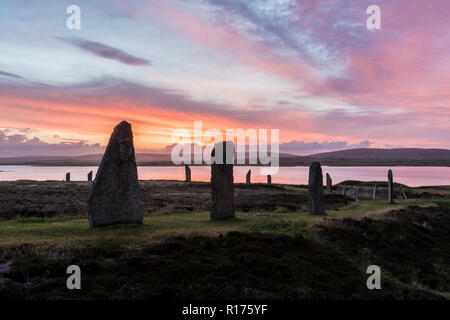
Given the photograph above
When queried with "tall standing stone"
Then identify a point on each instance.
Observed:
(222, 182)
(315, 190)
(115, 195)
(374, 196)
(390, 187)
(329, 184)
(68, 177)
(248, 177)
(90, 176)
(187, 172)
(356, 194)
(269, 179)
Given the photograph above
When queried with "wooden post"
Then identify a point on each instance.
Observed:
(403, 193)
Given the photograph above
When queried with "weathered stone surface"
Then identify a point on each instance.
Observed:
(90, 176)
(187, 172)
(115, 195)
(222, 181)
(248, 177)
(390, 187)
(68, 176)
(315, 190)
(269, 179)
(329, 184)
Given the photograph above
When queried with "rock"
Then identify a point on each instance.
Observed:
(315, 190)
(68, 177)
(222, 182)
(329, 184)
(187, 172)
(115, 195)
(248, 177)
(269, 179)
(390, 187)
(90, 176)
(374, 196)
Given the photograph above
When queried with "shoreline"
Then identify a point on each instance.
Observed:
(323, 163)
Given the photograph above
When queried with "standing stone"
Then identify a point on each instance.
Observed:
(315, 192)
(187, 172)
(115, 195)
(329, 184)
(390, 187)
(269, 179)
(90, 176)
(248, 177)
(374, 196)
(356, 194)
(222, 182)
(68, 177)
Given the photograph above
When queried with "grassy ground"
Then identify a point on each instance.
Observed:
(71, 230)
(268, 252)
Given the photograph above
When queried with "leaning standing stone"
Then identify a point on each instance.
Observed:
(374, 196)
(187, 172)
(115, 195)
(68, 177)
(329, 184)
(248, 177)
(390, 187)
(315, 192)
(222, 182)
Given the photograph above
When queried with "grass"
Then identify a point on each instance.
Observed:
(329, 264)
(68, 231)
(443, 203)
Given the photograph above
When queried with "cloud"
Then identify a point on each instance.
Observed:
(324, 48)
(12, 75)
(307, 148)
(94, 107)
(20, 145)
(105, 51)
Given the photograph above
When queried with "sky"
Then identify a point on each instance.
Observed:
(310, 68)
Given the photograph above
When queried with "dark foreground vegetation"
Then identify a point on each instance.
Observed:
(266, 253)
(411, 246)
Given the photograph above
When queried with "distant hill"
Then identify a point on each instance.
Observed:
(375, 157)
(86, 160)
(351, 157)
(386, 154)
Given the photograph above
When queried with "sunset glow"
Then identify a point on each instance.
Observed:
(309, 68)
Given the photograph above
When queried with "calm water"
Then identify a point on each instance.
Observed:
(412, 176)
